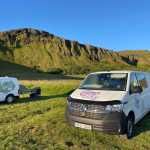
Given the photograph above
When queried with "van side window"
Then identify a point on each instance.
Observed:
(142, 80)
(133, 82)
(6, 86)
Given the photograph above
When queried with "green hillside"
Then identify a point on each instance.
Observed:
(40, 50)
(142, 57)
(25, 73)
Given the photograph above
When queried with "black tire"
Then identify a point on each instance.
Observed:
(130, 127)
(10, 99)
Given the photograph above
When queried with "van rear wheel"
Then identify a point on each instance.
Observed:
(10, 99)
(130, 127)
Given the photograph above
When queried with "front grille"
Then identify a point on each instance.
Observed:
(90, 107)
(87, 110)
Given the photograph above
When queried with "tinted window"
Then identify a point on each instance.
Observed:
(6, 86)
(142, 80)
(133, 82)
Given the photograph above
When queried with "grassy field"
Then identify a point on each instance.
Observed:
(40, 124)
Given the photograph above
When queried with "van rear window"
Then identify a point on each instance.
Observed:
(106, 81)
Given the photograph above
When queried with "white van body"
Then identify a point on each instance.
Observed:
(109, 109)
(8, 87)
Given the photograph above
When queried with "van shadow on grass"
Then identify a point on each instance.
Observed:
(142, 126)
(25, 73)
(42, 98)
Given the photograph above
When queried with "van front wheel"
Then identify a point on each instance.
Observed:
(10, 99)
(130, 127)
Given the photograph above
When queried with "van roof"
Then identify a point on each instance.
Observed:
(12, 78)
(115, 71)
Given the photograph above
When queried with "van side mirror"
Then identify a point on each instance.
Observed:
(136, 89)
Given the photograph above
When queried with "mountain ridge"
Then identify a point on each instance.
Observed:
(46, 52)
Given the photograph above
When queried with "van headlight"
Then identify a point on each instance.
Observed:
(116, 107)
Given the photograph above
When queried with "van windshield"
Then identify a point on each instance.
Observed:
(105, 81)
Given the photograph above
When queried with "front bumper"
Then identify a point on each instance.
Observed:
(110, 122)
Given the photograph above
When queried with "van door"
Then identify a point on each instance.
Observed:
(144, 96)
(135, 98)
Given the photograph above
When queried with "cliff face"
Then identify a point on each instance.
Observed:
(44, 51)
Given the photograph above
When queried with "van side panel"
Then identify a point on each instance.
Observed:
(129, 99)
(147, 91)
(139, 103)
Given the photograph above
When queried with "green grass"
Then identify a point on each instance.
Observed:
(40, 124)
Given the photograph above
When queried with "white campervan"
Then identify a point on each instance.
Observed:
(112, 101)
(9, 88)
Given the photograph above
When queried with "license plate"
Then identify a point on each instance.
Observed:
(83, 126)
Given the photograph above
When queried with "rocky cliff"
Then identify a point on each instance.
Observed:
(44, 51)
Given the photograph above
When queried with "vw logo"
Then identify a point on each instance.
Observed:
(83, 107)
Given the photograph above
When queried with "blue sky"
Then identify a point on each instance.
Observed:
(113, 24)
